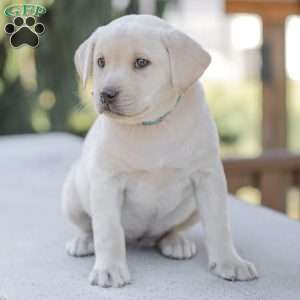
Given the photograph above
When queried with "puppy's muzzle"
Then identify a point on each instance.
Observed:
(108, 96)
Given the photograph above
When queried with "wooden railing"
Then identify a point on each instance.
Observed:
(273, 173)
(276, 171)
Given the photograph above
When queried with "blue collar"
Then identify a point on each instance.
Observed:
(158, 120)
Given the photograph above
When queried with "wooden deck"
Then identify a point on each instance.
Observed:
(276, 170)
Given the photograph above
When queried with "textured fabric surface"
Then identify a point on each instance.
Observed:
(34, 266)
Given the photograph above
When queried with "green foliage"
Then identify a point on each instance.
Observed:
(39, 89)
(47, 97)
(293, 106)
(67, 26)
(15, 104)
(237, 110)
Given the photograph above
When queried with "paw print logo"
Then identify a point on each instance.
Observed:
(24, 31)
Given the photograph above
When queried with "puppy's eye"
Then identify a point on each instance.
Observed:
(141, 63)
(101, 62)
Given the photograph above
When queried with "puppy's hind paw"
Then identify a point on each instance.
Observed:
(237, 270)
(177, 246)
(114, 276)
(81, 246)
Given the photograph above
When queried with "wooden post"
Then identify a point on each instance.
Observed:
(273, 14)
(274, 187)
(274, 129)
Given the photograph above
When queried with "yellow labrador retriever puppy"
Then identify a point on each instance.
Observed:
(150, 164)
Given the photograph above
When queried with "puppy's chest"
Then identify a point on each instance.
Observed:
(150, 198)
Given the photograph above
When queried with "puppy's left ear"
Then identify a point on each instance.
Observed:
(84, 59)
(188, 60)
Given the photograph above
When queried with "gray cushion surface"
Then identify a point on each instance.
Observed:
(34, 265)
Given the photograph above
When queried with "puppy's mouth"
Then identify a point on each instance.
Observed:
(111, 111)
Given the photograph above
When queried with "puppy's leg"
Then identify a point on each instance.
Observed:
(82, 245)
(110, 267)
(175, 244)
(211, 193)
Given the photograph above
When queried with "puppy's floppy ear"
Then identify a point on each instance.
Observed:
(188, 60)
(84, 59)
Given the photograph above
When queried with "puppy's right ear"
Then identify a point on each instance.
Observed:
(84, 59)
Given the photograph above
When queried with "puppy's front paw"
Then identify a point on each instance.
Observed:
(235, 269)
(81, 246)
(113, 276)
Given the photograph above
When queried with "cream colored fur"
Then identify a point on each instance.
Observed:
(146, 184)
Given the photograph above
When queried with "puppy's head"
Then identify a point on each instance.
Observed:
(140, 65)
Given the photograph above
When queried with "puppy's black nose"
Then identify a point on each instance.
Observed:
(108, 95)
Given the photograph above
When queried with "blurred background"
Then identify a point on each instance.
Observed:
(40, 91)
